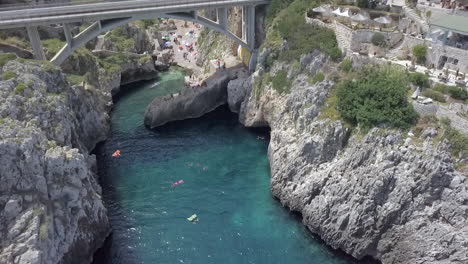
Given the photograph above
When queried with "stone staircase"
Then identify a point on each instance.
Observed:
(395, 52)
(343, 38)
(411, 14)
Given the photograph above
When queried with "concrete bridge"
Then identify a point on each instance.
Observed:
(108, 14)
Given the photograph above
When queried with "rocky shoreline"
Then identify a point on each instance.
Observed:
(193, 102)
(384, 194)
(51, 198)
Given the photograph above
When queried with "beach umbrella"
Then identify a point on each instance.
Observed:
(383, 20)
(360, 17)
(321, 9)
(338, 12)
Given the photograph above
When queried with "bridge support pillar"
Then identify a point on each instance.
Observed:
(36, 44)
(222, 17)
(68, 35)
(248, 26)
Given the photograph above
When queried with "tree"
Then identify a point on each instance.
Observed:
(376, 96)
(362, 3)
(419, 79)
(378, 39)
(420, 52)
(428, 15)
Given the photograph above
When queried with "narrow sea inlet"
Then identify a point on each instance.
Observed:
(225, 173)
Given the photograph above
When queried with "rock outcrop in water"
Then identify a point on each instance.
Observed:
(51, 208)
(383, 194)
(192, 102)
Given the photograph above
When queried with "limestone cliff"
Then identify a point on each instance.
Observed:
(50, 199)
(384, 194)
(192, 102)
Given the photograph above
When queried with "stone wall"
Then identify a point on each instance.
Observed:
(438, 12)
(365, 36)
(436, 51)
(344, 35)
(352, 40)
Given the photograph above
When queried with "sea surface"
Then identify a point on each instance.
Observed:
(226, 178)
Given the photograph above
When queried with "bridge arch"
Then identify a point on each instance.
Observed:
(97, 28)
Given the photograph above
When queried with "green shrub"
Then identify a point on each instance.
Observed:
(454, 91)
(316, 78)
(302, 38)
(378, 39)
(145, 59)
(458, 141)
(8, 75)
(53, 45)
(362, 3)
(428, 14)
(74, 79)
(274, 8)
(6, 57)
(120, 40)
(376, 96)
(434, 95)
(19, 89)
(146, 23)
(280, 82)
(420, 52)
(118, 59)
(18, 42)
(346, 65)
(419, 79)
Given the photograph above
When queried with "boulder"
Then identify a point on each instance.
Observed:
(193, 102)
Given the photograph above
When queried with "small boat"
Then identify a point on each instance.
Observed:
(192, 218)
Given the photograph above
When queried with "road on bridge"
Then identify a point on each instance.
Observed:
(88, 10)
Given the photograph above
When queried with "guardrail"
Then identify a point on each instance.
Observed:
(109, 10)
(37, 11)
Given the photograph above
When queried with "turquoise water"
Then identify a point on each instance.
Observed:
(226, 183)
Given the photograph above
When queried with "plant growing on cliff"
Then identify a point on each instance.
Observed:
(458, 141)
(420, 52)
(19, 89)
(6, 57)
(15, 41)
(74, 79)
(280, 82)
(53, 46)
(316, 78)
(121, 41)
(290, 26)
(8, 75)
(346, 65)
(374, 97)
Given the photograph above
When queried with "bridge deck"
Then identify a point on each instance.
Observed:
(13, 16)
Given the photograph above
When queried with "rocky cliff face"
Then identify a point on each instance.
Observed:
(384, 194)
(140, 40)
(51, 211)
(192, 102)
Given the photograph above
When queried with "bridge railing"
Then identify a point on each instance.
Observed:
(90, 7)
(30, 4)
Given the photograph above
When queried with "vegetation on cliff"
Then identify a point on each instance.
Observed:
(289, 36)
(376, 96)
